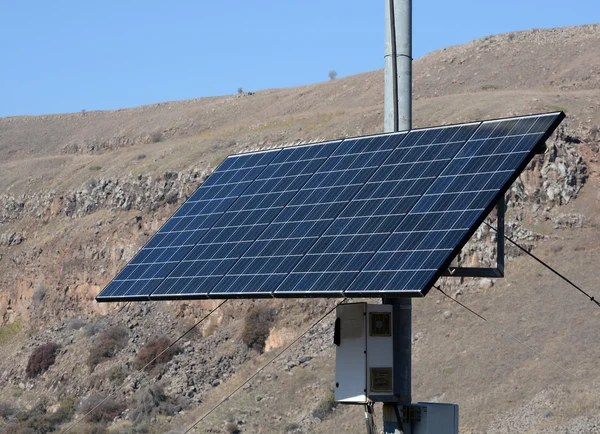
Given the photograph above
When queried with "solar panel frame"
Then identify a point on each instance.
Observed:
(487, 210)
(559, 116)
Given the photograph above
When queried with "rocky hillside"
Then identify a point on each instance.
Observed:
(81, 192)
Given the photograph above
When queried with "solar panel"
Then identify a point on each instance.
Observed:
(362, 227)
(306, 217)
(210, 259)
(142, 275)
(369, 216)
(445, 217)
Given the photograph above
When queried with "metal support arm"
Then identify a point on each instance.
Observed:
(498, 271)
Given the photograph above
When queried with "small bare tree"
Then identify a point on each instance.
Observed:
(240, 91)
(332, 74)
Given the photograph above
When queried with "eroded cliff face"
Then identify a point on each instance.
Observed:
(63, 247)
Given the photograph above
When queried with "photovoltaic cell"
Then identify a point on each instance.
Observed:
(363, 226)
(180, 233)
(370, 216)
(444, 218)
(267, 262)
(222, 245)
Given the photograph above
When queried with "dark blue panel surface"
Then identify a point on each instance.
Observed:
(442, 221)
(221, 246)
(365, 223)
(181, 232)
(268, 261)
(370, 216)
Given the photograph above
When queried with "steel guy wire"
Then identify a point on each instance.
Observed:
(592, 299)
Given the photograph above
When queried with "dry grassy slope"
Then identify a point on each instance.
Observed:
(456, 358)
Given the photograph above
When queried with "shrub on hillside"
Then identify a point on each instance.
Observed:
(91, 329)
(107, 344)
(76, 323)
(106, 412)
(117, 374)
(39, 294)
(325, 406)
(156, 137)
(41, 359)
(39, 420)
(232, 428)
(7, 410)
(152, 349)
(152, 401)
(257, 324)
(291, 427)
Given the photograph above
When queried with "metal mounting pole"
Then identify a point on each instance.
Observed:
(397, 104)
(398, 117)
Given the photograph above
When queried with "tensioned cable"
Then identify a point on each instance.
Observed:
(141, 371)
(14, 416)
(592, 299)
(259, 370)
(504, 332)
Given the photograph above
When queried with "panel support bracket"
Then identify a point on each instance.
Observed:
(496, 272)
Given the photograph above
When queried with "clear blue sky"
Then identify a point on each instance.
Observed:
(64, 56)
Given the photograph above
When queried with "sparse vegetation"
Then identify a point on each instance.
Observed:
(91, 329)
(39, 420)
(106, 412)
(325, 406)
(38, 295)
(107, 345)
(152, 349)
(76, 323)
(95, 168)
(257, 324)
(41, 359)
(240, 91)
(291, 427)
(489, 87)
(332, 74)
(232, 428)
(117, 374)
(156, 137)
(7, 410)
(8, 331)
(231, 425)
(152, 401)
